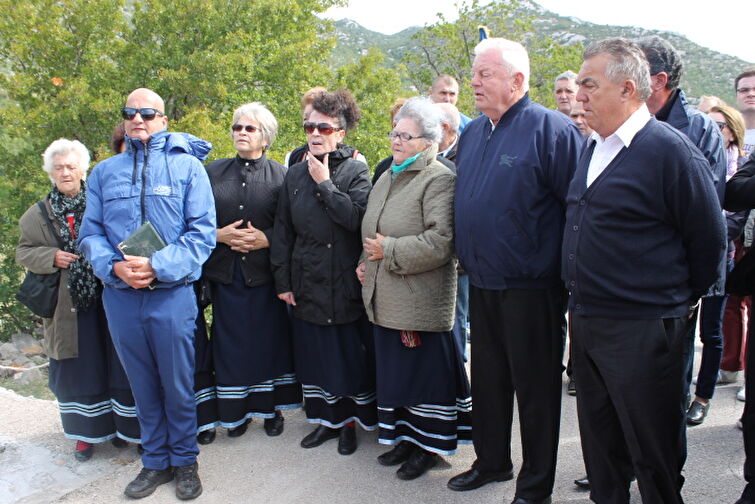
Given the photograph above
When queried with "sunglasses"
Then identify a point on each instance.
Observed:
(721, 125)
(249, 128)
(147, 113)
(324, 128)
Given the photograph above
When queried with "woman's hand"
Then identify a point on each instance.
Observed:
(318, 170)
(242, 239)
(374, 247)
(231, 232)
(63, 259)
(361, 267)
(287, 297)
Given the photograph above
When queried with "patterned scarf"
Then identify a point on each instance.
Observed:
(82, 284)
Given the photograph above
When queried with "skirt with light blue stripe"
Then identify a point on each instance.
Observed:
(93, 392)
(423, 392)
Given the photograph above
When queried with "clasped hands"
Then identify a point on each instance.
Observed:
(374, 249)
(136, 271)
(242, 238)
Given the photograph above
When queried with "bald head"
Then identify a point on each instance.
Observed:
(450, 120)
(138, 128)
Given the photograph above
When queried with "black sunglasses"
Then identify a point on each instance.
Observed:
(324, 128)
(249, 128)
(721, 125)
(147, 113)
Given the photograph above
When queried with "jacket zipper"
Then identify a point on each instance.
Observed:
(144, 184)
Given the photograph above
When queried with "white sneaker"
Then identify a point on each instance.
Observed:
(741, 394)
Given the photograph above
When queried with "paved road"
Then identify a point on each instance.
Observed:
(37, 465)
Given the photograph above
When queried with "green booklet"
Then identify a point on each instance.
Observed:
(143, 242)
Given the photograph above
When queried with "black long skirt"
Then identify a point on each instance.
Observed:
(93, 392)
(423, 392)
(252, 352)
(204, 378)
(336, 366)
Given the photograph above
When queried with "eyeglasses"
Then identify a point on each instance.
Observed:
(721, 125)
(324, 128)
(249, 128)
(147, 113)
(404, 136)
(745, 90)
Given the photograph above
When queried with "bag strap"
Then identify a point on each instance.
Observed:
(46, 217)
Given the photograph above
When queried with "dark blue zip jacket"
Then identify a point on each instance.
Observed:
(510, 196)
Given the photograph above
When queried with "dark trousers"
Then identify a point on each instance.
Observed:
(517, 350)
(629, 404)
(748, 421)
(711, 322)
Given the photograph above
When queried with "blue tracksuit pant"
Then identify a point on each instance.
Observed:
(153, 332)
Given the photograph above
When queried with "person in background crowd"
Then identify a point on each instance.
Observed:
(709, 101)
(445, 89)
(737, 310)
(642, 242)
(118, 139)
(85, 374)
(577, 115)
(159, 179)
(251, 340)
(514, 166)
(740, 196)
(424, 403)
(565, 91)
(744, 86)
(315, 250)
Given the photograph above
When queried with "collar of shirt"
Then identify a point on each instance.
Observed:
(445, 152)
(626, 132)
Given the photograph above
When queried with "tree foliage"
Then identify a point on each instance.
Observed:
(448, 48)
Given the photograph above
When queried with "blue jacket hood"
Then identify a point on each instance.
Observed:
(174, 142)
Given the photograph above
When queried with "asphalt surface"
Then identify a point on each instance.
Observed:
(37, 464)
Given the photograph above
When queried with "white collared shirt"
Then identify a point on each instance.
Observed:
(607, 149)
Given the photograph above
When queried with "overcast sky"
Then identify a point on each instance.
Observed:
(735, 33)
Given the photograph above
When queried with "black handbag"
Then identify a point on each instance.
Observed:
(741, 279)
(39, 293)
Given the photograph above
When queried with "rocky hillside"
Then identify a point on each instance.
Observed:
(706, 71)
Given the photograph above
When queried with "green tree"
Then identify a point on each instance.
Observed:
(446, 47)
(68, 65)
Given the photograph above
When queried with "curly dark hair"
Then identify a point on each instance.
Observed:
(339, 104)
(118, 138)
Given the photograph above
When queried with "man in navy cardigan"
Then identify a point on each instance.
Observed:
(514, 164)
(642, 242)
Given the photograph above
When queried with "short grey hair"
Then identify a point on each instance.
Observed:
(514, 56)
(62, 147)
(626, 61)
(258, 113)
(450, 115)
(428, 117)
(568, 75)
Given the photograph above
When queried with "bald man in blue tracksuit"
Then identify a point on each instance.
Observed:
(150, 302)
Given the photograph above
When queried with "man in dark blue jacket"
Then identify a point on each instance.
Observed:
(514, 164)
(643, 240)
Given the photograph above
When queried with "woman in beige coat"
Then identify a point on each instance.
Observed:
(86, 376)
(408, 276)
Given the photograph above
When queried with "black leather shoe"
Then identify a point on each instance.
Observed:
(274, 426)
(399, 454)
(347, 440)
(319, 436)
(473, 478)
(417, 465)
(238, 431)
(745, 500)
(522, 500)
(147, 481)
(571, 387)
(118, 442)
(140, 449)
(188, 485)
(206, 437)
(583, 483)
(697, 412)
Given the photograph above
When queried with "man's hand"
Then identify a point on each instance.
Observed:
(64, 259)
(287, 297)
(318, 170)
(136, 271)
(361, 267)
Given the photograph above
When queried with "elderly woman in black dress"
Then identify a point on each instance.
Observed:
(86, 376)
(409, 290)
(314, 252)
(251, 339)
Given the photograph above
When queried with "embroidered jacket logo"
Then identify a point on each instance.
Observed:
(506, 160)
(161, 190)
